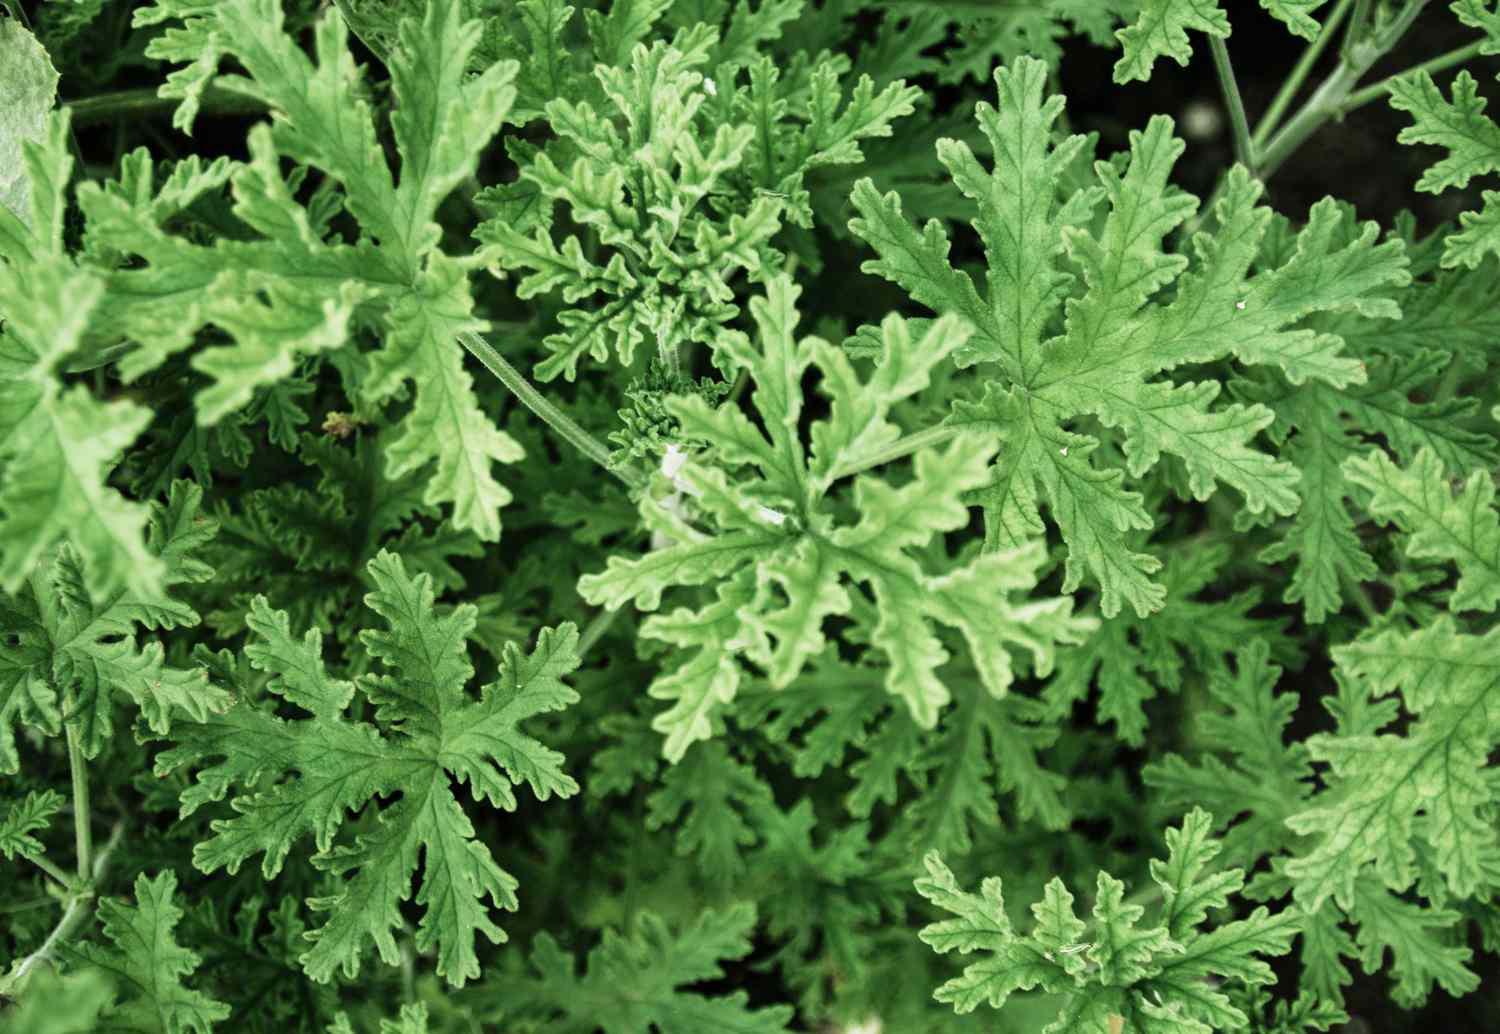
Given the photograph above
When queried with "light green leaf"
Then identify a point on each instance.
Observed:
(28, 82)
(1113, 974)
(149, 965)
(1120, 331)
(427, 732)
(1472, 140)
(1420, 501)
(1390, 794)
(1161, 31)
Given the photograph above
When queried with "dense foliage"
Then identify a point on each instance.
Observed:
(680, 514)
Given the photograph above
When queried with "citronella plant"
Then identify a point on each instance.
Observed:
(686, 515)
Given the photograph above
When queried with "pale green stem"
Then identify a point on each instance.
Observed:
(555, 418)
(595, 629)
(1359, 98)
(1328, 100)
(51, 869)
(408, 969)
(1448, 386)
(126, 104)
(1361, 597)
(1244, 147)
(83, 833)
(77, 912)
(1284, 96)
(900, 447)
(1362, 11)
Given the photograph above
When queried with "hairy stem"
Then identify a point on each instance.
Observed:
(1362, 12)
(595, 629)
(1284, 96)
(51, 869)
(904, 446)
(555, 418)
(79, 909)
(122, 104)
(1244, 146)
(1359, 98)
(1327, 102)
(82, 831)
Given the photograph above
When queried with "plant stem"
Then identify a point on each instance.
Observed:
(596, 628)
(78, 911)
(1328, 100)
(1244, 147)
(107, 107)
(1272, 116)
(555, 418)
(1448, 386)
(1356, 27)
(1359, 98)
(1361, 598)
(51, 869)
(83, 833)
(900, 447)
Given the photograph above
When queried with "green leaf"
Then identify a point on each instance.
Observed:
(148, 964)
(1132, 659)
(1161, 31)
(1114, 975)
(58, 445)
(442, 119)
(1464, 529)
(656, 962)
(31, 814)
(427, 732)
(1389, 795)
(70, 653)
(1266, 782)
(55, 1004)
(29, 83)
(1297, 15)
(1472, 140)
(783, 564)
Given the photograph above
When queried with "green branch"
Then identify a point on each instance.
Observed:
(1359, 98)
(82, 831)
(538, 403)
(144, 103)
(1329, 99)
(1314, 50)
(1244, 146)
(901, 447)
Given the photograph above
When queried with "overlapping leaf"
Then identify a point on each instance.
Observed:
(1460, 126)
(294, 292)
(1114, 975)
(1120, 330)
(780, 560)
(149, 966)
(427, 732)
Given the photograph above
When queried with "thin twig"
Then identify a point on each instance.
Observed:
(1244, 146)
(538, 403)
(1375, 92)
(1284, 96)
